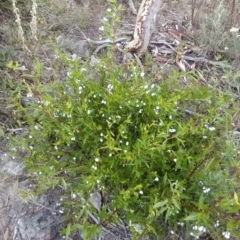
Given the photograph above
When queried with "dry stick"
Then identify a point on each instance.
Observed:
(101, 47)
(204, 60)
(164, 43)
(108, 41)
(139, 62)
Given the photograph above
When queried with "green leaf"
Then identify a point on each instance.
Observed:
(176, 203)
(192, 217)
(160, 204)
(1, 133)
(68, 230)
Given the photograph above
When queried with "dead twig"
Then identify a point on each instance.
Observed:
(204, 60)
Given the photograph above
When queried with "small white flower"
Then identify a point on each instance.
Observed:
(206, 190)
(202, 229)
(156, 179)
(29, 95)
(110, 154)
(98, 181)
(51, 167)
(88, 112)
(94, 167)
(211, 129)
(31, 147)
(226, 235)
(101, 28)
(73, 138)
(103, 102)
(101, 140)
(142, 74)
(127, 143)
(233, 29)
(217, 224)
(110, 87)
(140, 192)
(36, 127)
(30, 136)
(204, 137)
(175, 160)
(61, 211)
(74, 195)
(109, 10)
(170, 117)
(96, 159)
(105, 19)
(172, 130)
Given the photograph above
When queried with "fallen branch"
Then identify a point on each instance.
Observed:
(204, 60)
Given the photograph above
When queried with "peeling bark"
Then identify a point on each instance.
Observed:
(144, 26)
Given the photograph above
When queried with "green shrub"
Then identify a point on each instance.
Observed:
(159, 153)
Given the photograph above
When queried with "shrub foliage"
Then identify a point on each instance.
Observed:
(158, 153)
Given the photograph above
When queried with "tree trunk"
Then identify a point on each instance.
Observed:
(144, 26)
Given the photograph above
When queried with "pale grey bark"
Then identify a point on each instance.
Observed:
(144, 26)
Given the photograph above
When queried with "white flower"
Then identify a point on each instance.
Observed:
(226, 235)
(156, 179)
(103, 102)
(204, 137)
(170, 117)
(141, 192)
(105, 19)
(206, 190)
(233, 29)
(36, 127)
(29, 95)
(73, 138)
(202, 229)
(211, 128)
(94, 167)
(109, 10)
(175, 160)
(172, 130)
(127, 143)
(216, 224)
(142, 74)
(96, 159)
(74, 195)
(31, 147)
(101, 28)
(110, 87)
